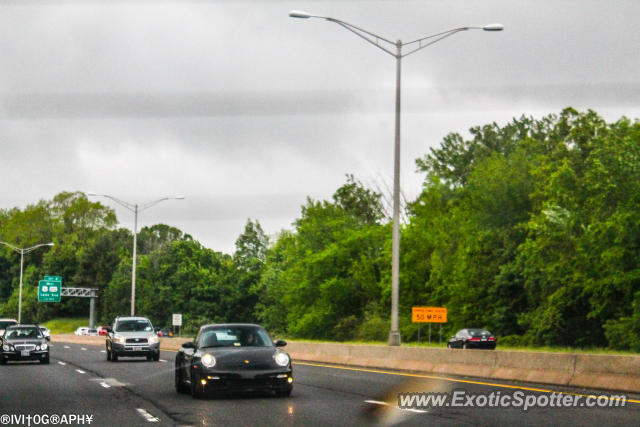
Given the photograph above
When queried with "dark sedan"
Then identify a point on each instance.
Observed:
(233, 357)
(473, 338)
(24, 342)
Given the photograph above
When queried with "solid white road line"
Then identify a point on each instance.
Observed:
(147, 416)
(80, 371)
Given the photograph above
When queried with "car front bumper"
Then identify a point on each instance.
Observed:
(237, 381)
(17, 355)
(126, 350)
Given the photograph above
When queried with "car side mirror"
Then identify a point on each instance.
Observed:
(189, 344)
(109, 330)
(48, 338)
(281, 343)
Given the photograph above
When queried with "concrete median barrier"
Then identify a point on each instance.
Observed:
(607, 372)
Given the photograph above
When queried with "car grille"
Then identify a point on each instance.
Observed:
(136, 340)
(25, 347)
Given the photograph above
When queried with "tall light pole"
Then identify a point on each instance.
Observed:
(135, 208)
(386, 45)
(23, 251)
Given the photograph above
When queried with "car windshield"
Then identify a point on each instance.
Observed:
(5, 323)
(478, 332)
(23, 333)
(235, 336)
(133, 326)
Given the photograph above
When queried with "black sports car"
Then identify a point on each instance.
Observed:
(233, 357)
(473, 338)
(24, 342)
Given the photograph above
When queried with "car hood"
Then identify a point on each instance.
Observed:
(35, 341)
(242, 357)
(143, 334)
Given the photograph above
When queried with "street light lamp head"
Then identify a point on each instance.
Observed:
(493, 27)
(91, 193)
(179, 197)
(50, 244)
(299, 14)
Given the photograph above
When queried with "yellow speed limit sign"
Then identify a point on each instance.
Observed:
(429, 314)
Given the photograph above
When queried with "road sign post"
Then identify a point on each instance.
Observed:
(177, 320)
(429, 315)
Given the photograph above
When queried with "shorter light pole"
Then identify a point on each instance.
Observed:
(135, 208)
(23, 251)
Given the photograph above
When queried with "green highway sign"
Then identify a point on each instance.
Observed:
(49, 291)
(53, 278)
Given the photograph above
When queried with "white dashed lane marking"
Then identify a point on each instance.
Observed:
(105, 385)
(377, 402)
(61, 363)
(66, 346)
(147, 416)
(80, 371)
(162, 360)
(82, 348)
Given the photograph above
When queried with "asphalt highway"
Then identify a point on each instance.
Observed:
(133, 392)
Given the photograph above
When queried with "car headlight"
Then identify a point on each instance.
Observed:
(153, 339)
(208, 360)
(7, 347)
(119, 339)
(44, 346)
(281, 358)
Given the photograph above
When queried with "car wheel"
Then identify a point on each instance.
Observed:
(196, 391)
(180, 385)
(2, 361)
(465, 346)
(283, 393)
(157, 357)
(45, 361)
(448, 345)
(108, 356)
(114, 356)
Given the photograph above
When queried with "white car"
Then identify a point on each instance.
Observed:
(82, 330)
(6, 322)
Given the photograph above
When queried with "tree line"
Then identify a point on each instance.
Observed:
(530, 229)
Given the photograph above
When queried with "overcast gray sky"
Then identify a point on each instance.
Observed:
(246, 111)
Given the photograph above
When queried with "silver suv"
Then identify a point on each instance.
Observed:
(130, 337)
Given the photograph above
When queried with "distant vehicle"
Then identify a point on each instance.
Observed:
(46, 332)
(24, 342)
(165, 333)
(82, 330)
(131, 337)
(473, 338)
(92, 332)
(102, 330)
(233, 357)
(6, 322)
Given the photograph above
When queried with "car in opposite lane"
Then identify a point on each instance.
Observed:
(82, 330)
(233, 357)
(24, 342)
(473, 338)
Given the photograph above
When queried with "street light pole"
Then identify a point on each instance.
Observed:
(377, 41)
(23, 251)
(135, 208)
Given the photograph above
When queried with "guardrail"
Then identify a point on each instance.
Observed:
(608, 372)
